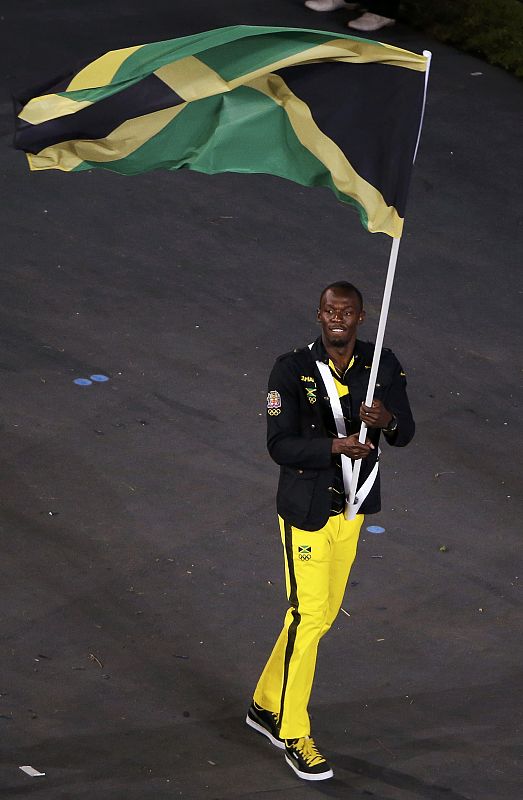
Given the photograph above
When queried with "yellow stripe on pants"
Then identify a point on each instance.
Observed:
(317, 567)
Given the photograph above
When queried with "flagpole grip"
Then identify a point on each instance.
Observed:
(387, 292)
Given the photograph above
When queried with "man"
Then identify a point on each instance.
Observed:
(315, 405)
(378, 14)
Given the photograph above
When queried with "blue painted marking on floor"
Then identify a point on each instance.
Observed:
(375, 529)
(82, 381)
(99, 378)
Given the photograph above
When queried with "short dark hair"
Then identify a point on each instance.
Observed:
(345, 286)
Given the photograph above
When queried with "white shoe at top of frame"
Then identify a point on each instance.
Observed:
(370, 22)
(330, 5)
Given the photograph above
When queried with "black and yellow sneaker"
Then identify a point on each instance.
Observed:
(303, 756)
(265, 722)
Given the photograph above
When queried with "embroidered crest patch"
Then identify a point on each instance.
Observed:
(305, 552)
(311, 394)
(274, 403)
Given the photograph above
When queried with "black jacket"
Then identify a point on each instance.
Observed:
(300, 427)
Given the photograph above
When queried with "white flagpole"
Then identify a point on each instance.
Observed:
(428, 56)
(387, 292)
(352, 505)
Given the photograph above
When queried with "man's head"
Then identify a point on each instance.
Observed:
(340, 312)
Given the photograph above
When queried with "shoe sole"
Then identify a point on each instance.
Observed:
(371, 30)
(347, 6)
(257, 727)
(309, 776)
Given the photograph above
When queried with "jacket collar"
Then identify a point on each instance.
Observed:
(319, 353)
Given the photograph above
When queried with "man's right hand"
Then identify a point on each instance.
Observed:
(351, 447)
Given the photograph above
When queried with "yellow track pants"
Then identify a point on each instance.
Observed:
(317, 567)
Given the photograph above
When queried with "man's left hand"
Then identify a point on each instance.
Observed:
(376, 415)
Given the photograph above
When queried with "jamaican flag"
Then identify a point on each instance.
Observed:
(318, 108)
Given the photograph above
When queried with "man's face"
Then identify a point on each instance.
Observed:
(339, 314)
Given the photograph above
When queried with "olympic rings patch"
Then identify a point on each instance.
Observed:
(304, 552)
(274, 403)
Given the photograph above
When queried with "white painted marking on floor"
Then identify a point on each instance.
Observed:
(32, 772)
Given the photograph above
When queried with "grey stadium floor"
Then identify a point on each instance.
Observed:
(141, 572)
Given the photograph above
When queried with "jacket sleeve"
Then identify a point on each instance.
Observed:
(289, 441)
(397, 402)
